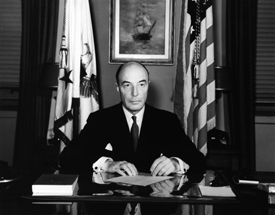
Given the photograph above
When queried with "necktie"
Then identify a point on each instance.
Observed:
(134, 132)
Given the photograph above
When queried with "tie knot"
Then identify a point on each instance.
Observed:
(134, 119)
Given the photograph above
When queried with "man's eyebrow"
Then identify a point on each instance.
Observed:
(125, 82)
(143, 80)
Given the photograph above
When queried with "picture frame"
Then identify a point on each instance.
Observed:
(142, 31)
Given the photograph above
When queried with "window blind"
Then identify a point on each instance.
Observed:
(10, 43)
(265, 55)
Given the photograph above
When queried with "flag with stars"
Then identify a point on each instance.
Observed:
(194, 100)
(77, 94)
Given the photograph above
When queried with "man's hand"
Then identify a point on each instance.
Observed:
(163, 188)
(164, 166)
(121, 167)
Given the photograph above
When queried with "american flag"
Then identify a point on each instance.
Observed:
(194, 100)
(77, 94)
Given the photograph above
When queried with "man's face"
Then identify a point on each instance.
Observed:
(133, 87)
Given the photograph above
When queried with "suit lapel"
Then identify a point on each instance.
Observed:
(121, 129)
(148, 124)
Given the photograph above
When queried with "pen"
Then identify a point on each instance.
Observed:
(243, 181)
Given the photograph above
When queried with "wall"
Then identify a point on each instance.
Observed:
(162, 77)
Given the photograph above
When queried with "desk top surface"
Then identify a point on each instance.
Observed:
(170, 191)
(179, 189)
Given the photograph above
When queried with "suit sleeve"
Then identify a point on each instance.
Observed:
(182, 147)
(86, 148)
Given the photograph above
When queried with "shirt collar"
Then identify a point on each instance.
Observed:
(129, 115)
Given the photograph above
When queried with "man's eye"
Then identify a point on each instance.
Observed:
(142, 84)
(126, 86)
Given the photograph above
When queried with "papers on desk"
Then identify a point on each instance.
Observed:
(55, 185)
(224, 191)
(140, 180)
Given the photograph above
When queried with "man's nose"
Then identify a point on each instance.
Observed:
(134, 91)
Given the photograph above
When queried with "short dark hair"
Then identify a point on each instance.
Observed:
(121, 67)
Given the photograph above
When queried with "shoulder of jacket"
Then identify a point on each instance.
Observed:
(157, 111)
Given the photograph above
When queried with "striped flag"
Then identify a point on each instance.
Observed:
(194, 100)
(77, 94)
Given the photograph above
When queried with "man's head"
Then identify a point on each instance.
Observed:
(132, 84)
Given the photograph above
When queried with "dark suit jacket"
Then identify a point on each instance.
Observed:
(161, 132)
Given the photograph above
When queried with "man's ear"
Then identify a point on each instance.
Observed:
(117, 88)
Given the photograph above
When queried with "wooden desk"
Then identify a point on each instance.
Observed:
(16, 198)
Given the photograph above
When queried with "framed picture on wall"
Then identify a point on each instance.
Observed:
(142, 30)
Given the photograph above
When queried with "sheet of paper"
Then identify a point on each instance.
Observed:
(140, 180)
(224, 191)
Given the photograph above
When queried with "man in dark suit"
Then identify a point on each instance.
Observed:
(106, 144)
